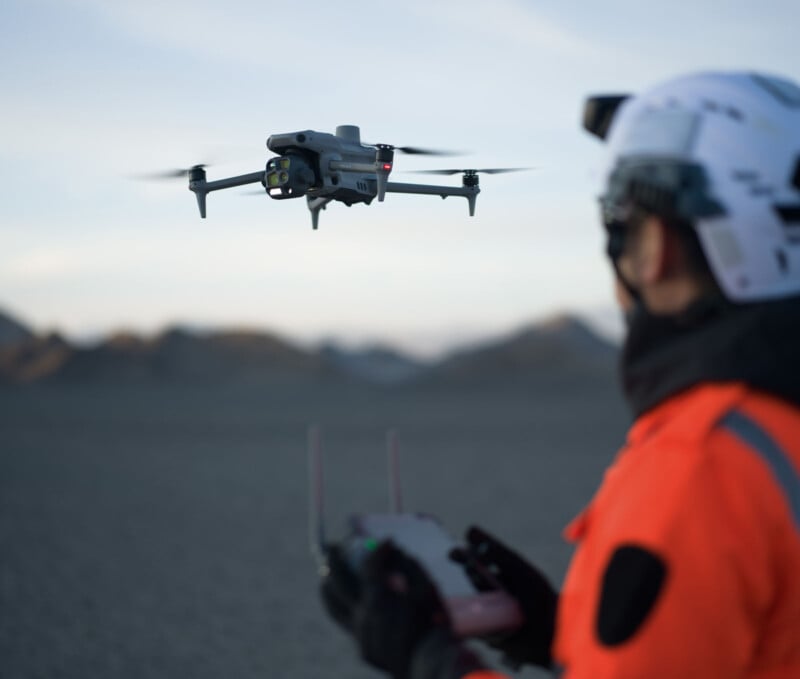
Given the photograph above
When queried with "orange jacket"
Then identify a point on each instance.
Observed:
(709, 485)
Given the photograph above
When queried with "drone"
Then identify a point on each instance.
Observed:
(326, 167)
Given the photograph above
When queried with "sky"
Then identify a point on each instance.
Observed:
(96, 93)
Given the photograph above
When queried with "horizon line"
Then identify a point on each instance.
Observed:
(422, 343)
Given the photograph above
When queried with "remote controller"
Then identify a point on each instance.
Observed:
(473, 612)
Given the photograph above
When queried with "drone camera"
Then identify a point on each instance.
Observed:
(288, 176)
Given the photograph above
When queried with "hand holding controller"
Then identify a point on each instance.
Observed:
(393, 584)
(395, 613)
(473, 611)
(530, 642)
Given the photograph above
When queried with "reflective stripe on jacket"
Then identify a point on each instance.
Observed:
(706, 498)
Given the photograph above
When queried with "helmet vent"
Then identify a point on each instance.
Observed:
(734, 113)
(789, 214)
(753, 183)
(796, 175)
(745, 175)
(715, 107)
(783, 260)
(761, 190)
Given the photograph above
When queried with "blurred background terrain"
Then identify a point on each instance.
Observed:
(153, 490)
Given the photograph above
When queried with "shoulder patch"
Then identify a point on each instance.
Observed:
(632, 583)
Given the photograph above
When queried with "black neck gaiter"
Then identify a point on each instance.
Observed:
(712, 341)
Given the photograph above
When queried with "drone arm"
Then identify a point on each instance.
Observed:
(469, 192)
(240, 180)
(201, 187)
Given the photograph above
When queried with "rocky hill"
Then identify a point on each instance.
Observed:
(563, 348)
(12, 331)
(560, 349)
(376, 364)
(175, 355)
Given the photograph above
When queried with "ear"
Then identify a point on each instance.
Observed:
(656, 251)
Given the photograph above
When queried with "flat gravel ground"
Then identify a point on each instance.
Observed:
(162, 532)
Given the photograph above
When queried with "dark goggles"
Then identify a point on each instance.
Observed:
(619, 221)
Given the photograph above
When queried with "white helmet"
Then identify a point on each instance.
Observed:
(720, 151)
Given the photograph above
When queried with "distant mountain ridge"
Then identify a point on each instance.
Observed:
(176, 355)
(376, 363)
(12, 331)
(563, 348)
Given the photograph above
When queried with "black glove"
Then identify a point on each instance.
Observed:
(340, 588)
(396, 616)
(531, 642)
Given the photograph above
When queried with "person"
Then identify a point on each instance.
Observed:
(687, 561)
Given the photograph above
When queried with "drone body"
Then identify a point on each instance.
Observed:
(325, 167)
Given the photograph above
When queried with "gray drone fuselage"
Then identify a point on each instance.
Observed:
(343, 169)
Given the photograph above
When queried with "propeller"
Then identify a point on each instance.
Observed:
(486, 170)
(214, 155)
(416, 150)
(172, 174)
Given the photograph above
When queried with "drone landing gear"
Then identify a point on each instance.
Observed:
(200, 187)
(315, 205)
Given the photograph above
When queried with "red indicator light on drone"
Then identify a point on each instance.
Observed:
(387, 166)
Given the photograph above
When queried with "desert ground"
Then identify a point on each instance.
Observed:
(161, 531)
